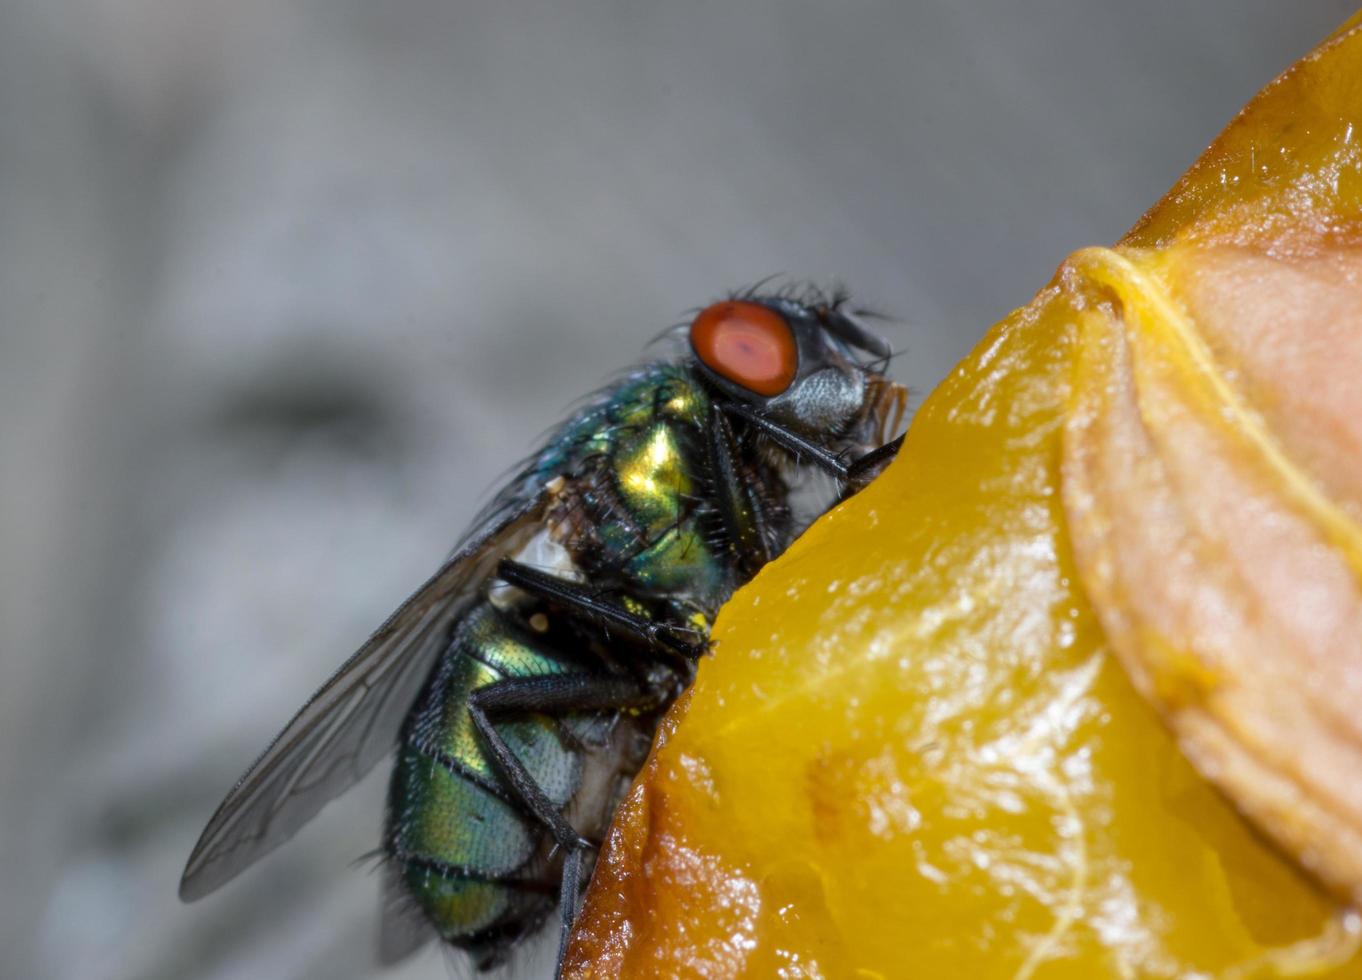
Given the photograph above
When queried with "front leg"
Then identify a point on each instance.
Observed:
(864, 467)
(805, 449)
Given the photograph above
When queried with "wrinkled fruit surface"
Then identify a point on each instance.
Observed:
(1003, 713)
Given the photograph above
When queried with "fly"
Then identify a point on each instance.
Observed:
(522, 683)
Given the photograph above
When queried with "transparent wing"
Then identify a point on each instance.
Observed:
(355, 718)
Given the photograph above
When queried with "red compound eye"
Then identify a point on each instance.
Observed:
(747, 344)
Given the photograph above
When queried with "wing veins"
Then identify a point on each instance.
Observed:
(331, 741)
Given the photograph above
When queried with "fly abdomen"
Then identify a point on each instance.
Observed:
(463, 853)
(470, 855)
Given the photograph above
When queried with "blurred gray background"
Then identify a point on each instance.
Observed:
(285, 284)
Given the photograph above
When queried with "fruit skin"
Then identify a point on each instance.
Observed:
(1213, 460)
(1285, 171)
(913, 753)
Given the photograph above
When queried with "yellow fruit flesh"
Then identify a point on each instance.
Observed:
(913, 753)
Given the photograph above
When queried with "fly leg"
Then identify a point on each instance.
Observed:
(746, 524)
(860, 469)
(586, 604)
(805, 449)
(553, 695)
(876, 457)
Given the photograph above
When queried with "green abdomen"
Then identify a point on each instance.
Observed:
(475, 862)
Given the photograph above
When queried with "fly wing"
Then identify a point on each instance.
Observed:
(354, 719)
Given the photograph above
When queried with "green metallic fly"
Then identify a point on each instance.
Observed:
(522, 683)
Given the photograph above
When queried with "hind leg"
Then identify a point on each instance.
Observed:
(551, 695)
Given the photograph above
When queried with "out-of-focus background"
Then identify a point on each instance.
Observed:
(285, 284)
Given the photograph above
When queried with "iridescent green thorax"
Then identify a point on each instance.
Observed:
(638, 462)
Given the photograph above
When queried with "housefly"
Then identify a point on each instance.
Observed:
(521, 684)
